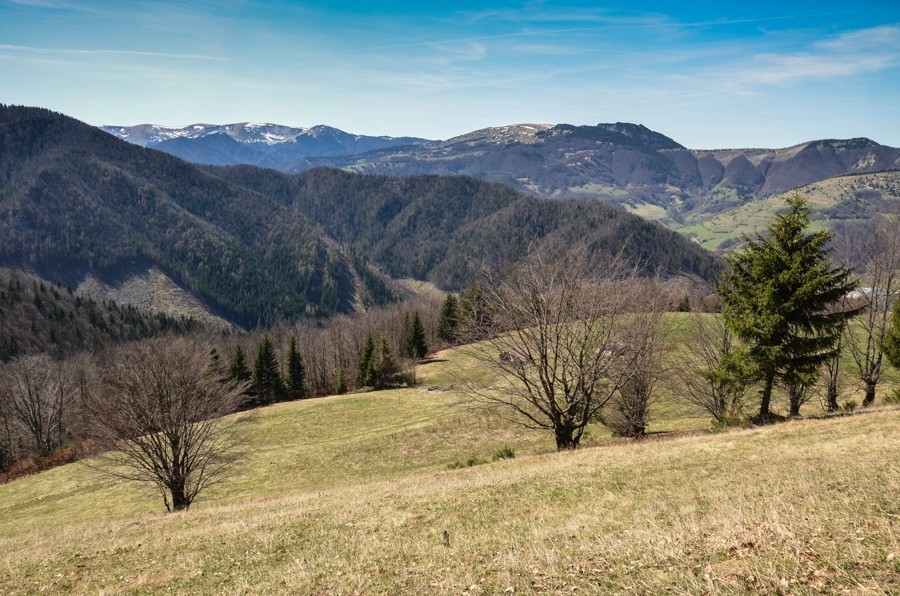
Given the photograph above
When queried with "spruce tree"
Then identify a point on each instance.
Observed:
(267, 385)
(385, 367)
(366, 367)
(449, 319)
(215, 361)
(341, 385)
(295, 375)
(416, 348)
(775, 298)
(237, 367)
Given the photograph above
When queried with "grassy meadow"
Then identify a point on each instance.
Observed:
(352, 494)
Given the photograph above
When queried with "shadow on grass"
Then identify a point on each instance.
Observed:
(431, 361)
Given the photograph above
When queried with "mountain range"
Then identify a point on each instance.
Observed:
(255, 245)
(627, 164)
(253, 143)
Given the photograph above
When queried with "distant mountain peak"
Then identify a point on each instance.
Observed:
(257, 143)
(522, 133)
(619, 133)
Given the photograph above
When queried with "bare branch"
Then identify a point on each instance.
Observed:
(160, 410)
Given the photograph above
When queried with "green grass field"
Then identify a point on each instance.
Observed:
(351, 494)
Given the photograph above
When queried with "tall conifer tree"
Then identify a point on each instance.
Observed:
(295, 374)
(385, 367)
(775, 298)
(416, 347)
(448, 320)
(267, 384)
(341, 385)
(237, 366)
(366, 367)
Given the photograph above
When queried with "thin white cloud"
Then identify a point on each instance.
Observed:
(77, 52)
(852, 53)
(873, 38)
(55, 5)
(774, 69)
(596, 17)
(468, 50)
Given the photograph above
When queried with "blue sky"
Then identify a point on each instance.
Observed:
(708, 74)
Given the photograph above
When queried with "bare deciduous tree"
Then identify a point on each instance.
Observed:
(879, 284)
(832, 372)
(159, 409)
(646, 336)
(556, 352)
(710, 372)
(39, 393)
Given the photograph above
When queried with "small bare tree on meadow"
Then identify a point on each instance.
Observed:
(647, 339)
(159, 409)
(879, 286)
(557, 334)
(710, 372)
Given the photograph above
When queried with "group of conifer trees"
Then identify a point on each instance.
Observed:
(378, 368)
(268, 384)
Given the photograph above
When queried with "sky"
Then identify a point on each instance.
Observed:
(708, 74)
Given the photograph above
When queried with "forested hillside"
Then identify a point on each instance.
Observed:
(40, 317)
(443, 228)
(75, 199)
(256, 245)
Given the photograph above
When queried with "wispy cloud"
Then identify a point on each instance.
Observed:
(105, 52)
(536, 14)
(54, 5)
(465, 50)
(775, 69)
(873, 38)
(852, 53)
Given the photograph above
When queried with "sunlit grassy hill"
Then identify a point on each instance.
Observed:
(351, 494)
(835, 200)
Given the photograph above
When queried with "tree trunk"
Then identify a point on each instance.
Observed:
(764, 413)
(180, 502)
(565, 438)
(870, 394)
(795, 405)
(832, 398)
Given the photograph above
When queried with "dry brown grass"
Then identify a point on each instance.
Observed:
(352, 494)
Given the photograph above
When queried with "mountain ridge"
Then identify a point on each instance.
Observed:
(256, 245)
(621, 163)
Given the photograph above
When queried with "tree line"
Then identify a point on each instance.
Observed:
(44, 399)
(571, 339)
(575, 339)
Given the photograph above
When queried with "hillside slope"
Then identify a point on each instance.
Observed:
(352, 494)
(77, 201)
(254, 246)
(835, 202)
(444, 228)
(39, 317)
(627, 164)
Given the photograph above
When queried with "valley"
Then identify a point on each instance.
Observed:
(395, 477)
(463, 298)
